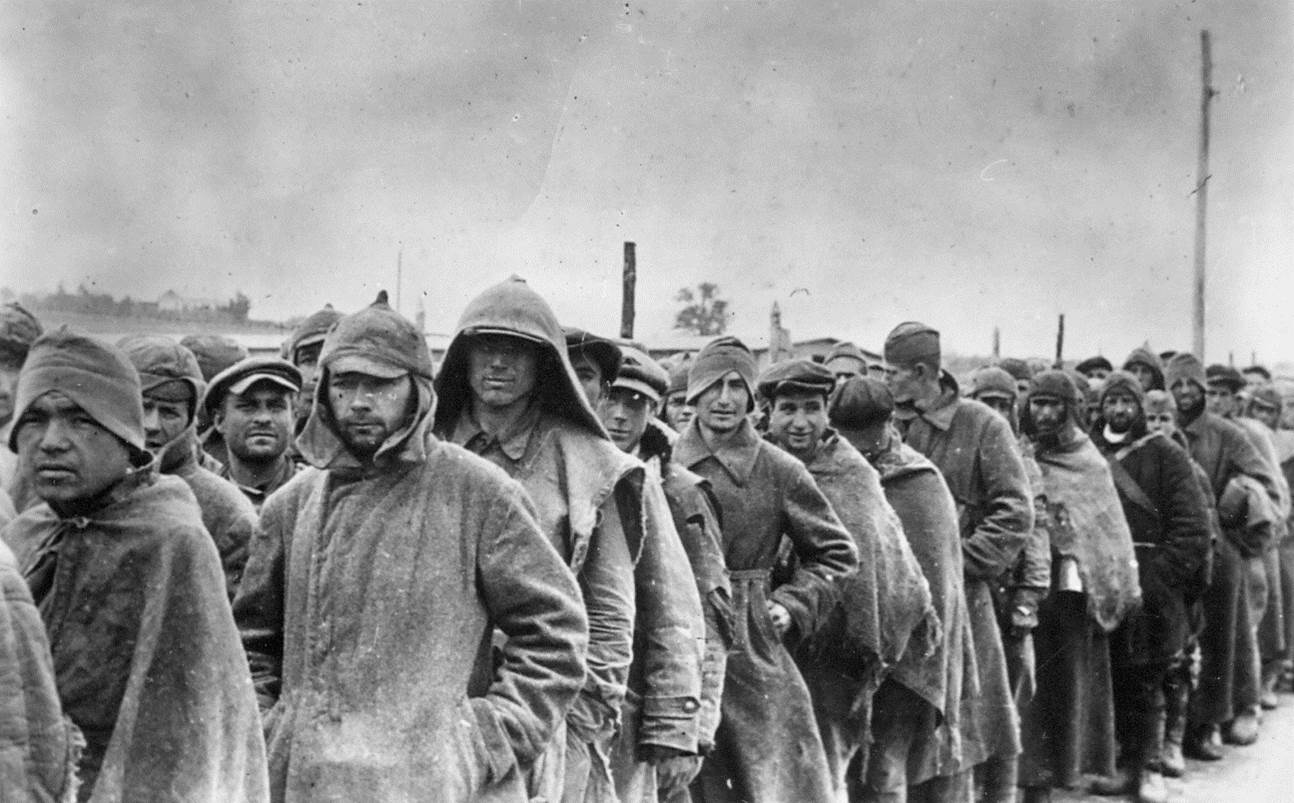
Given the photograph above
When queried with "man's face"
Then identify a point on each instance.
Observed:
(501, 369)
(9, 371)
(65, 453)
(905, 382)
(590, 376)
(625, 414)
(845, 367)
(1270, 416)
(164, 421)
(1219, 399)
(1002, 405)
(256, 424)
(1188, 395)
(1161, 421)
(678, 413)
(1144, 374)
(1048, 413)
(369, 409)
(797, 421)
(1119, 411)
(1254, 380)
(722, 406)
(307, 362)
(1096, 373)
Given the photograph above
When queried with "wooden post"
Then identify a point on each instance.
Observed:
(1060, 342)
(997, 343)
(627, 297)
(1202, 189)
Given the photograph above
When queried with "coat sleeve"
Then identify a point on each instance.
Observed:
(534, 600)
(669, 617)
(824, 548)
(1183, 516)
(1006, 504)
(258, 606)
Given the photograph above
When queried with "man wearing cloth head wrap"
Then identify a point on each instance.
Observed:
(376, 581)
(1068, 726)
(128, 585)
(628, 412)
(885, 609)
(1228, 694)
(1168, 517)
(980, 460)
(509, 394)
(768, 747)
(172, 389)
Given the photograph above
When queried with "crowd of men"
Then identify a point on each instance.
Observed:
(551, 568)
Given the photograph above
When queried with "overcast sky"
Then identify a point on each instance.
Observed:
(969, 164)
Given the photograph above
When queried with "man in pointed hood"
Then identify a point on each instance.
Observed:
(172, 387)
(508, 393)
(884, 609)
(376, 582)
(768, 747)
(1145, 365)
(1168, 517)
(145, 654)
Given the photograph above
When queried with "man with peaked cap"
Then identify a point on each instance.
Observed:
(1167, 514)
(1228, 691)
(1019, 591)
(977, 453)
(767, 747)
(595, 360)
(1068, 727)
(302, 350)
(628, 413)
(676, 412)
(250, 406)
(1097, 367)
(1145, 365)
(145, 654)
(214, 354)
(915, 750)
(508, 393)
(884, 608)
(376, 582)
(172, 389)
(18, 330)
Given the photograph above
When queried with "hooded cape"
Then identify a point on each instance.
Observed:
(146, 656)
(1087, 524)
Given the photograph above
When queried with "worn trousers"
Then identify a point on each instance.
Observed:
(1138, 704)
(898, 716)
(1253, 605)
(1222, 601)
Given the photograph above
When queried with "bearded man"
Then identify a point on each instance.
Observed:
(884, 609)
(1166, 512)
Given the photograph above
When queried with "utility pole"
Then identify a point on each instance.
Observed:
(1060, 342)
(997, 343)
(627, 294)
(1202, 187)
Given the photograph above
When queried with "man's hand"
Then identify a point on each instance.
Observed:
(781, 618)
(675, 774)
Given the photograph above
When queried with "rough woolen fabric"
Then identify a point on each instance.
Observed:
(96, 376)
(678, 377)
(640, 373)
(1184, 367)
(1054, 384)
(1018, 369)
(795, 375)
(160, 360)
(860, 402)
(214, 353)
(18, 327)
(713, 362)
(912, 342)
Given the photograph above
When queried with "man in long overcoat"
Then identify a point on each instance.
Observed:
(884, 609)
(508, 393)
(976, 452)
(767, 748)
(1168, 517)
(376, 582)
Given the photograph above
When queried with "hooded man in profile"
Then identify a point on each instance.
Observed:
(509, 394)
(128, 585)
(376, 581)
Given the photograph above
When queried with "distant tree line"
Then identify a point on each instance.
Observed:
(86, 302)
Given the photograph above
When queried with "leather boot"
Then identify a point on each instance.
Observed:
(1202, 743)
(1150, 782)
(1176, 697)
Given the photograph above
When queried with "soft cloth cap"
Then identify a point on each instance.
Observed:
(713, 363)
(239, 377)
(604, 354)
(860, 402)
(912, 342)
(798, 375)
(641, 374)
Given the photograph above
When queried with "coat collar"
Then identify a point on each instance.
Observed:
(512, 442)
(940, 411)
(737, 456)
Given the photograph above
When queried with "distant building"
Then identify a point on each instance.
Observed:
(171, 301)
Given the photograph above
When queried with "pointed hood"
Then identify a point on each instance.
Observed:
(382, 338)
(1144, 356)
(512, 308)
